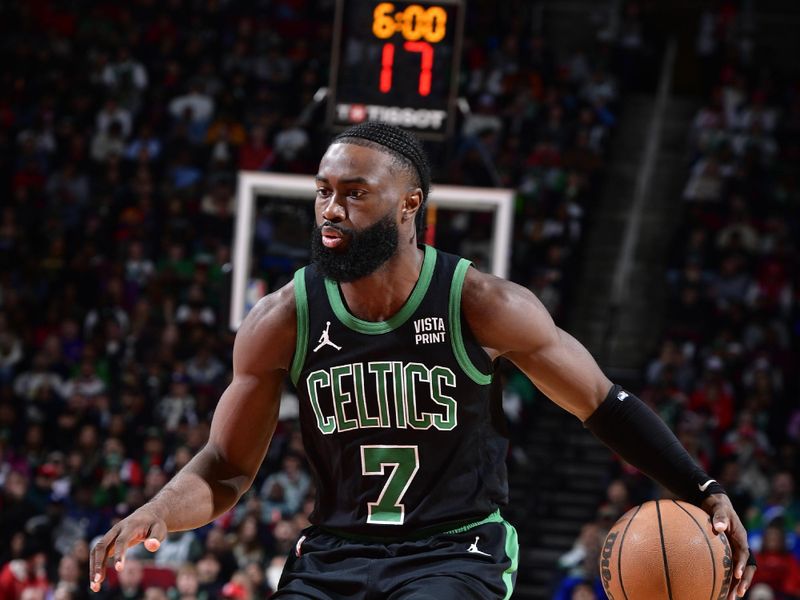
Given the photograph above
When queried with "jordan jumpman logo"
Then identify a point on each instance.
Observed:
(325, 340)
(474, 547)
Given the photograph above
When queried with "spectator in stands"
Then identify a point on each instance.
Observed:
(187, 585)
(126, 77)
(179, 404)
(761, 591)
(752, 450)
(705, 182)
(16, 509)
(112, 113)
(256, 154)
(780, 506)
(713, 397)
(291, 145)
(257, 576)
(204, 369)
(25, 573)
(238, 588)
(155, 593)
(218, 547)
(777, 567)
(145, 146)
(130, 585)
(108, 144)
(86, 383)
(617, 502)
(584, 591)
(730, 478)
(580, 564)
(179, 548)
(208, 576)
(196, 103)
(71, 580)
(252, 542)
(195, 310)
(292, 481)
(28, 383)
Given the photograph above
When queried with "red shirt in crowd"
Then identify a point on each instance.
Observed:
(779, 570)
(19, 575)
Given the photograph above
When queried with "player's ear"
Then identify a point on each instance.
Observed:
(411, 204)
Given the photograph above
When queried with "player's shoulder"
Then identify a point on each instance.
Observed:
(502, 315)
(266, 338)
(273, 319)
(484, 291)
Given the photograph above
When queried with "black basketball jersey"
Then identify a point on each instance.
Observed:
(399, 422)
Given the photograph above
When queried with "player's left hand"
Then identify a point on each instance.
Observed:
(725, 519)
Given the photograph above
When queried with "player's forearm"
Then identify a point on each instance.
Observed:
(203, 490)
(627, 426)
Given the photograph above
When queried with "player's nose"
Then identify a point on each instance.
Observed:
(334, 210)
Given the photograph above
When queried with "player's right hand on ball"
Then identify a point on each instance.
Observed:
(143, 525)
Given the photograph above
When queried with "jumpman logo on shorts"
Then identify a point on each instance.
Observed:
(325, 340)
(474, 547)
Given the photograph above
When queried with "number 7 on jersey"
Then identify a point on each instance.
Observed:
(404, 460)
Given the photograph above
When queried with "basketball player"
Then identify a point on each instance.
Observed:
(391, 346)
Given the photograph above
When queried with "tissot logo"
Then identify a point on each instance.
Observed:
(429, 330)
(418, 118)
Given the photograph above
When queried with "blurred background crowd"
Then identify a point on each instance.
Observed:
(122, 129)
(725, 375)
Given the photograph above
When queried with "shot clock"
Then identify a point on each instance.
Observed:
(396, 62)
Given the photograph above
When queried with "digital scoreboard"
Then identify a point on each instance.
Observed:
(396, 62)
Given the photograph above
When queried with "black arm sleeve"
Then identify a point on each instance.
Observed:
(627, 426)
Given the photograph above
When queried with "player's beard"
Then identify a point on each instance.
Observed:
(364, 250)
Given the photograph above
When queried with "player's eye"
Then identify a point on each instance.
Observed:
(323, 192)
(356, 193)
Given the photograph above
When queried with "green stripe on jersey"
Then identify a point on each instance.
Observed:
(492, 518)
(512, 551)
(427, 532)
(301, 305)
(396, 320)
(457, 338)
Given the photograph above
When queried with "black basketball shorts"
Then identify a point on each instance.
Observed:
(477, 561)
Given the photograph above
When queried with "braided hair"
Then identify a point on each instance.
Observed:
(402, 146)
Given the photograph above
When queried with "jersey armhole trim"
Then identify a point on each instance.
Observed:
(301, 306)
(454, 314)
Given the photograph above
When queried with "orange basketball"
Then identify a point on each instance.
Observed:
(665, 550)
